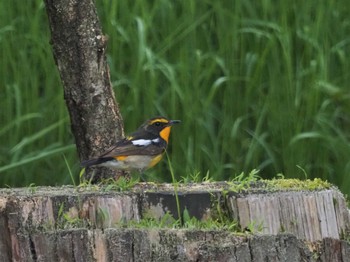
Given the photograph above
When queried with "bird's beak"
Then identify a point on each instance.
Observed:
(173, 122)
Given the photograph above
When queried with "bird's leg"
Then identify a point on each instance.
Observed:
(122, 173)
(142, 175)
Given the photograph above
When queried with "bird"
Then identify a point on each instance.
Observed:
(139, 151)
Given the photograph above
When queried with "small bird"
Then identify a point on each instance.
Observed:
(141, 150)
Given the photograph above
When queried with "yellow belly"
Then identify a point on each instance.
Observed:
(138, 162)
(155, 161)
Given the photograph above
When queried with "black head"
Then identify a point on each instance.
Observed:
(157, 124)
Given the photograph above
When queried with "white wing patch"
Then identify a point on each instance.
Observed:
(155, 141)
(141, 142)
(144, 142)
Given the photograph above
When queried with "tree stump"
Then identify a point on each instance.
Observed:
(94, 224)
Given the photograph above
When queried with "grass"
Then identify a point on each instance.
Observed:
(187, 222)
(257, 85)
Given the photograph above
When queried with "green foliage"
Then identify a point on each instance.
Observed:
(253, 227)
(243, 182)
(187, 222)
(256, 84)
(176, 184)
(34, 130)
(32, 188)
(121, 184)
(166, 221)
(110, 184)
(296, 184)
(67, 219)
(196, 177)
(209, 224)
(69, 171)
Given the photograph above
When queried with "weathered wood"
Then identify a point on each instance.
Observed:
(309, 215)
(86, 224)
(312, 216)
(115, 244)
(5, 241)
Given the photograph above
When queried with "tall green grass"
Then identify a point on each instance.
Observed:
(35, 129)
(259, 85)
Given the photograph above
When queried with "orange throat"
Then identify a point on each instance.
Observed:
(165, 133)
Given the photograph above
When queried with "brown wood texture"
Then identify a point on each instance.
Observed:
(79, 48)
(90, 224)
(309, 215)
(172, 245)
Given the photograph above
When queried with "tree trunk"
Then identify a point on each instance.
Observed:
(79, 48)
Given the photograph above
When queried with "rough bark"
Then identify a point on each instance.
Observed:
(91, 224)
(79, 48)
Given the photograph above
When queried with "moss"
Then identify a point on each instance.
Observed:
(296, 184)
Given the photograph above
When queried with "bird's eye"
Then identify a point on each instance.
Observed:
(157, 123)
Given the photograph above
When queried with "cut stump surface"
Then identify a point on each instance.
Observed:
(90, 223)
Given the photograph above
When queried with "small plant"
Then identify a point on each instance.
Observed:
(32, 188)
(72, 222)
(207, 177)
(110, 184)
(303, 171)
(243, 182)
(166, 221)
(69, 171)
(121, 184)
(102, 216)
(175, 184)
(297, 184)
(187, 222)
(255, 227)
(196, 177)
(81, 175)
(217, 224)
(69, 219)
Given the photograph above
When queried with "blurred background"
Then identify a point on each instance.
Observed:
(257, 84)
